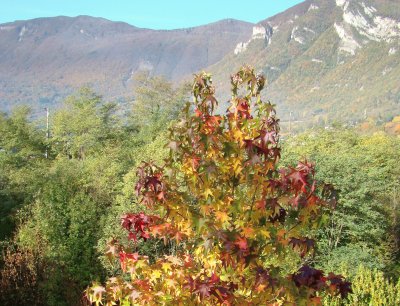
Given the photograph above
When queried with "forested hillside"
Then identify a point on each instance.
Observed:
(326, 61)
(43, 60)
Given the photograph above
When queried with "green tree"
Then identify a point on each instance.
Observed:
(81, 185)
(84, 126)
(370, 287)
(65, 222)
(365, 172)
(22, 149)
(156, 103)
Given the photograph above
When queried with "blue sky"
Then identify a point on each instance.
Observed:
(155, 14)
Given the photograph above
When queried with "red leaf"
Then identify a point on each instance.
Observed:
(124, 257)
(241, 242)
(338, 283)
(309, 277)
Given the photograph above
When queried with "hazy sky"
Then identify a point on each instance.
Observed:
(155, 14)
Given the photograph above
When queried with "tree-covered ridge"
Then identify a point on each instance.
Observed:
(322, 67)
(64, 53)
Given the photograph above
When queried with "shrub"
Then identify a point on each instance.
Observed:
(370, 287)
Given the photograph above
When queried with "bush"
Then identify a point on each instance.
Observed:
(370, 287)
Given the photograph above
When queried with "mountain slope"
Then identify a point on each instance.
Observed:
(327, 60)
(42, 60)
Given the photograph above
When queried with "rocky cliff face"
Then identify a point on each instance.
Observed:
(42, 60)
(259, 32)
(362, 23)
(327, 60)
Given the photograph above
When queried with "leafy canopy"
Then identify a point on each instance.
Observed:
(243, 227)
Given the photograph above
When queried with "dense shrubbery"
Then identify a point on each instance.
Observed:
(365, 227)
(60, 205)
(370, 287)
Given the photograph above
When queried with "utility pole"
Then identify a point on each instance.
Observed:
(47, 132)
(395, 215)
(290, 123)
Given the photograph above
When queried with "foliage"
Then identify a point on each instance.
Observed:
(242, 227)
(156, 100)
(365, 172)
(21, 160)
(19, 277)
(393, 127)
(69, 205)
(370, 287)
(63, 204)
(125, 200)
(62, 226)
(84, 127)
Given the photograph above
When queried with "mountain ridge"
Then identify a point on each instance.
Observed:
(47, 58)
(325, 60)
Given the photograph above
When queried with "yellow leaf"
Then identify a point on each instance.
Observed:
(206, 209)
(141, 264)
(199, 250)
(166, 266)
(170, 283)
(174, 260)
(155, 274)
(260, 288)
(240, 223)
(237, 134)
(207, 192)
(211, 262)
(237, 166)
(222, 216)
(265, 233)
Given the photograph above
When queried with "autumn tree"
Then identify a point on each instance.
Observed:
(242, 226)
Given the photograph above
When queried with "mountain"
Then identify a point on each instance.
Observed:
(42, 60)
(326, 60)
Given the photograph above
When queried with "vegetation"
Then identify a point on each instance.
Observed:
(242, 228)
(58, 214)
(370, 287)
(53, 210)
(364, 170)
